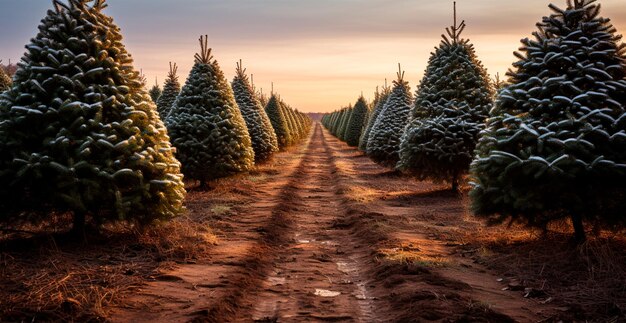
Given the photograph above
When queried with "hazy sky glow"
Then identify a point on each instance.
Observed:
(319, 54)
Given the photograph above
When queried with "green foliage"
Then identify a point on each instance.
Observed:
(276, 115)
(440, 148)
(155, 93)
(379, 102)
(356, 124)
(5, 80)
(206, 126)
(260, 128)
(384, 142)
(451, 105)
(343, 127)
(88, 142)
(171, 89)
(555, 143)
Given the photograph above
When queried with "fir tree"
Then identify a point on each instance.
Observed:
(381, 99)
(262, 133)
(78, 132)
(384, 142)
(344, 123)
(279, 123)
(5, 79)
(451, 105)
(555, 143)
(171, 89)
(357, 122)
(207, 128)
(155, 92)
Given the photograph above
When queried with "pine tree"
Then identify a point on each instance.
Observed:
(5, 80)
(171, 89)
(384, 142)
(357, 122)
(344, 123)
(261, 97)
(380, 101)
(279, 123)
(206, 127)
(555, 143)
(451, 105)
(78, 132)
(262, 133)
(155, 92)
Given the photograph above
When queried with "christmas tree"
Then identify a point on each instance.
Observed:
(381, 99)
(384, 142)
(5, 79)
(78, 131)
(263, 137)
(451, 105)
(171, 89)
(356, 124)
(155, 92)
(279, 123)
(206, 127)
(555, 143)
(344, 124)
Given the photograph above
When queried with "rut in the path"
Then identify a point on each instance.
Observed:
(317, 275)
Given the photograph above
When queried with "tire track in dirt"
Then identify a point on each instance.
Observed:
(215, 289)
(418, 261)
(317, 275)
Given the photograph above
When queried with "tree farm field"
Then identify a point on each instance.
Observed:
(330, 237)
(204, 198)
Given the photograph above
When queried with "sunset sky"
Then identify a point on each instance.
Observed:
(319, 54)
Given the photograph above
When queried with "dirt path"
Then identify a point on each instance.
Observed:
(331, 237)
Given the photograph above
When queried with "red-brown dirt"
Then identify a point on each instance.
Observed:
(331, 238)
(319, 234)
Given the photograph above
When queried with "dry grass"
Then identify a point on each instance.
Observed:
(413, 257)
(58, 278)
(221, 209)
(588, 279)
(361, 194)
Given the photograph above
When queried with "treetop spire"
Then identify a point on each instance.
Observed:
(204, 57)
(173, 71)
(454, 31)
(400, 75)
(241, 72)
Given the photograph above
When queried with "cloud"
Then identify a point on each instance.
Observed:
(321, 54)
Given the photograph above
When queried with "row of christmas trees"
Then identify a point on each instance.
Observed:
(80, 134)
(212, 122)
(551, 146)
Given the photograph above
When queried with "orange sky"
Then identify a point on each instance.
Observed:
(319, 54)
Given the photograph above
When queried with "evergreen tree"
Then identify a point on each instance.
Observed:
(78, 132)
(207, 128)
(451, 105)
(555, 143)
(262, 97)
(171, 89)
(155, 92)
(384, 142)
(5, 80)
(357, 122)
(381, 99)
(279, 123)
(263, 137)
(344, 124)
(337, 122)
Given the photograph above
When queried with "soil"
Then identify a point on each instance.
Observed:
(323, 234)
(333, 237)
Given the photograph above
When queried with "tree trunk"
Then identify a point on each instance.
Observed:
(579, 229)
(455, 182)
(78, 227)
